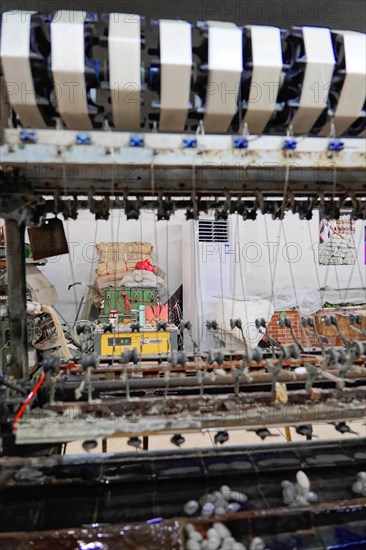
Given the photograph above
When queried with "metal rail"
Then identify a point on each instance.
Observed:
(142, 417)
(165, 165)
(15, 261)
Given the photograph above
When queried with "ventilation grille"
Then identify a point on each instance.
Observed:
(213, 231)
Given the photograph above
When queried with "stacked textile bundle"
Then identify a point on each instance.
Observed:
(337, 251)
(117, 263)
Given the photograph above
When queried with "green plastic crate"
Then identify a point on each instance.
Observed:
(115, 299)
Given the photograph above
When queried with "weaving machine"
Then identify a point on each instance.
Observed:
(113, 111)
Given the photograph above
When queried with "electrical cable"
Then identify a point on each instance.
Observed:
(32, 395)
(29, 399)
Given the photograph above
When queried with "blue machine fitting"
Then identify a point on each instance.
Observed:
(290, 144)
(28, 136)
(83, 139)
(189, 143)
(336, 145)
(240, 143)
(136, 141)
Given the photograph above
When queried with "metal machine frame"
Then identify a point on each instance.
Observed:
(61, 171)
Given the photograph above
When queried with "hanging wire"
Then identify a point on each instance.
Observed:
(304, 332)
(328, 265)
(167, 262)
(294, 285)
(334, 181)
(73, 280)
(290, 265)
(315, 263)
(157, 255)
(272, 273)
(242, 277)
(157, 258)
(114, 242)
(236, 240)
(334, 196)
(327, 271)
(72, 272)
(141, 237)
(197, 288)
(120, 210)
(221, 280)
(285, 188)
(357, 262)
(115, 246)
(167, 267)
(155, 238)
(92, 272)
(196, 262)
(338, 283)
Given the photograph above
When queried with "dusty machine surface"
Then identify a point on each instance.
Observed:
(117, 111)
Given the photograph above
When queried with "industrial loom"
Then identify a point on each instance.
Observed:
(113, 111)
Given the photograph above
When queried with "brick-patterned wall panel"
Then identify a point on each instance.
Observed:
(284, 336)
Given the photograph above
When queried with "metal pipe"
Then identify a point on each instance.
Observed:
(228, 355)
(190, 381)
(15, 266)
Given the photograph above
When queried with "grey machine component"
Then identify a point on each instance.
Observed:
(252, 76)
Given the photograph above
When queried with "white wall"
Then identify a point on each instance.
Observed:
(289, 250)
(273, 265)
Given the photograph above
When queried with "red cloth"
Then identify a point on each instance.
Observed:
(145, 265)
(127, 302)
(153, 313)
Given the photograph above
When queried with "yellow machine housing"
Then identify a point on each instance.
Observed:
(146, 342)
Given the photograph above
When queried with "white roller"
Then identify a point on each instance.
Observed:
(176, 68)
(15, 51)
(68, 68)
(320, 63)
(265, 81)
(352, 96)
(124, 49)
(225, 65)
